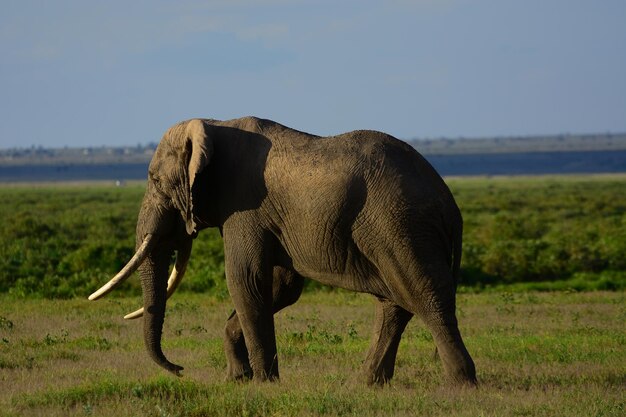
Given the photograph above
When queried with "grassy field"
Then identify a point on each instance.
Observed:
(544, 233)
(537, 354)
(553, 352)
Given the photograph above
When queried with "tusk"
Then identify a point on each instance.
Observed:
(130, 267)
(178, 272)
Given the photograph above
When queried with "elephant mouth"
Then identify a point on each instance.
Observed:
(148, 244)
(178, 272)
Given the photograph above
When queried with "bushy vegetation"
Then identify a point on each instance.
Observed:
(65, 241)
(60, 241)
(540, 233)
(544, 230)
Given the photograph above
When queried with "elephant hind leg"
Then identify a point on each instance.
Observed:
(287, 288)
(440, 318)
(457, 362)
(390, 322)
(430, 295)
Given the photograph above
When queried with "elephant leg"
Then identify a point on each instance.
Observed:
(428, 290)
(238, 365)
(286, 290)
(457, 363)
(254, 310)
(390, 322)
(440, 318)
(257, 324)
(249, 254)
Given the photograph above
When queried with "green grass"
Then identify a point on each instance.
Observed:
(551, 353)
(539, 233)
(537, 354)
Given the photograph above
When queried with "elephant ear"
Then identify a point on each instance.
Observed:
(199, 151)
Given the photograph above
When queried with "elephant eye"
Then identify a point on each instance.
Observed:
(155, 180)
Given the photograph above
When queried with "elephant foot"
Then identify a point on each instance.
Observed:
(463, 378)
(463, 382)
(460, 373)
(378, 375)
(241, 373)
(265, 377)
(377, 380)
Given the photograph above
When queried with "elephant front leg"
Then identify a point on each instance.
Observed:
(249, 279)
(238, 364)
(287, 288)
(257, 325)
(390, 322)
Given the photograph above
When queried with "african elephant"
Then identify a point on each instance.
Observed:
(361, 211)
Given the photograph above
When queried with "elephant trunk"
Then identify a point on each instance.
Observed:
(154, 284)
(178, 272)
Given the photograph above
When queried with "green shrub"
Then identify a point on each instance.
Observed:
(66, 241)
(541, 229)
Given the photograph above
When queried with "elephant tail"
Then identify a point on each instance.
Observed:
(457, 249)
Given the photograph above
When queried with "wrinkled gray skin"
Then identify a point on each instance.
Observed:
(361, 211)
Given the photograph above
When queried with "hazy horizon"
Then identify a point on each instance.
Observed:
(621, 136)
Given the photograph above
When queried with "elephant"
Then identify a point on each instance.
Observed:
(362, 211)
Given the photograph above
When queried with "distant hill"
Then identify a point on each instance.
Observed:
(90, 155)
(557, 143)
(443, 146)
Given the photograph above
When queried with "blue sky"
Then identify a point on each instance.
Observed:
(90, 73)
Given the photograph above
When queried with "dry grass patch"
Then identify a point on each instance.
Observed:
(537, 354)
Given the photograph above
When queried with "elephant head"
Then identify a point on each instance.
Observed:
(166, 224)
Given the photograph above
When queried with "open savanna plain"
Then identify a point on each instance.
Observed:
(542, 309)
(537, 354)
